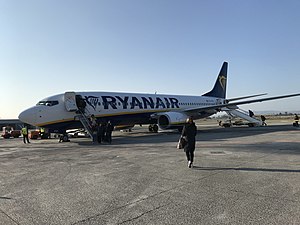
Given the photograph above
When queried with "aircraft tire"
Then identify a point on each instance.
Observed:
(150, 128)
(155, 128)
(65, 138)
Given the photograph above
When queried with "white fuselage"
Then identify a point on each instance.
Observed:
(122, 108)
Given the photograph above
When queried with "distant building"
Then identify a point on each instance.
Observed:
(14, 123)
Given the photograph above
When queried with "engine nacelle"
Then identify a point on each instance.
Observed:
(171, 120)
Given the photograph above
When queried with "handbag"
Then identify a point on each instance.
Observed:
(181, 143)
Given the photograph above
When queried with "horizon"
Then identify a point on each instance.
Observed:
(264, 112)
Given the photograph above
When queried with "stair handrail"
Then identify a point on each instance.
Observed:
(85, 122)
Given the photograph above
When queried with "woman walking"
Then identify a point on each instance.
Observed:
(189, 133)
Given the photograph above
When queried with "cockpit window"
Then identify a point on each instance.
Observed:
(48, 103)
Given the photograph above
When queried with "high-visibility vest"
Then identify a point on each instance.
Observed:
(24, 131)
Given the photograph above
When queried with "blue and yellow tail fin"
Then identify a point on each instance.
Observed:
(219, 90)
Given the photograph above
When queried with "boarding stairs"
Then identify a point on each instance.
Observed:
(85, 122)
(70, 99)
(252, 121)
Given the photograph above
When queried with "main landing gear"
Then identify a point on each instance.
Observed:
(153, 128)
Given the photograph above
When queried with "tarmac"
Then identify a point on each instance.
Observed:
(241, 175)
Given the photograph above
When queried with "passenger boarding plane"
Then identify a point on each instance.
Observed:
(71, 110)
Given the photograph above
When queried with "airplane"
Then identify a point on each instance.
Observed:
(71, 110)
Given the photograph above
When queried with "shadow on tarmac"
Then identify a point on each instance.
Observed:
(214, 134)
(246, 169)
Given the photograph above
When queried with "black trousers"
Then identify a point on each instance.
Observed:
(189, 150)
(108, 137)
(25, 138)
(190, 155)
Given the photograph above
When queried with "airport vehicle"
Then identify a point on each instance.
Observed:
(230, 123)
(71, 110)
(8, 132)
(124, 128)
(34, 134)
(77, 133)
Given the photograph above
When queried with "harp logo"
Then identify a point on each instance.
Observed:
(222, 81)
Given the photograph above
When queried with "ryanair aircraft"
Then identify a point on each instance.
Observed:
(71, 110)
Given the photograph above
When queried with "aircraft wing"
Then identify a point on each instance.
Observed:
(194, 110)
(240, 98)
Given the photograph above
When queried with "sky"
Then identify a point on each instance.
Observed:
(49, 47)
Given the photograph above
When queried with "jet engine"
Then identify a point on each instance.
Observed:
(171, 120)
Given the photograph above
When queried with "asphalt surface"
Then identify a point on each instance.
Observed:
(241, 176)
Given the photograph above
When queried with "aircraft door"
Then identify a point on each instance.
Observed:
(70, 101)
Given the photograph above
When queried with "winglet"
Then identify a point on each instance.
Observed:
(219, 90)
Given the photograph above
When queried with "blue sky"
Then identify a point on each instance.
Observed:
(169, 46)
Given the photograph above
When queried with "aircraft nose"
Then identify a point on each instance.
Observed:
(28, 116)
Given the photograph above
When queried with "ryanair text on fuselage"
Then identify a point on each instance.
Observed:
(132, 102)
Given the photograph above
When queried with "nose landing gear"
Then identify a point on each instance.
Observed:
(64, 138)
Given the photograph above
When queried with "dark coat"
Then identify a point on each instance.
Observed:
(189, 132)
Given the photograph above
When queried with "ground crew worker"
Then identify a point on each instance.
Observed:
(42, 132)
(25, 134)
(189, 132)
